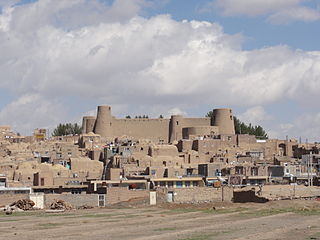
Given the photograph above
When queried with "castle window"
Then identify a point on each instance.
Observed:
(177, 123)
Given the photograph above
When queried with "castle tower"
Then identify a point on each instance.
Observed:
(175, 128)
(103, 123)
(223, 118)
(88, 124)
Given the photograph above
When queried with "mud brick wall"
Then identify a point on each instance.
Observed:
(289, 191)
(202, 194)
(6, 199)
(116, 195)
(76, 200)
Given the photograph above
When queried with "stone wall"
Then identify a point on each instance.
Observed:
(117, 195)
(6, 199)
(76, 200)
(202, 194)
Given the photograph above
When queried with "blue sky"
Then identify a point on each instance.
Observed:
(60, 59)
(259, 33)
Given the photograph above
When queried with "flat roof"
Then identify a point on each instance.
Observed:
(119, 181)
(15, 188)
(56, 186)
(177, 179)
(257, 177)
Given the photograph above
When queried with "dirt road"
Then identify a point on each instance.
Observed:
(273, 220)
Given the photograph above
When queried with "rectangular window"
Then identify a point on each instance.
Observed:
(102, 200)
(179, 184)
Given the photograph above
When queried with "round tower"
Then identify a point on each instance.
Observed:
(88, 124)
(175, 128)
(223, 118)
(103, 123)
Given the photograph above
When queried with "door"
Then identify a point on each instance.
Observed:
(170, 196)
(102, 200)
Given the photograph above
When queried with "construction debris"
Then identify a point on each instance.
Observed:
(24, 204)
(61, 205)
(84, 207)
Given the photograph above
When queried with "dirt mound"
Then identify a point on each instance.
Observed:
(61, 205)
(24, 204)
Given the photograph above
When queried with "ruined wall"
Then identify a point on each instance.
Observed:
(202, 194)
(119, 194)
(76, 200)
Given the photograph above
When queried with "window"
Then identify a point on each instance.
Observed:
(187, 183)
(179, 184)
(102, 200)
(153, 172)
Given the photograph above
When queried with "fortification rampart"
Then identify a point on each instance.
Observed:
(157, 130)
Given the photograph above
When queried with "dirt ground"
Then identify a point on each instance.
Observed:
(295, 219)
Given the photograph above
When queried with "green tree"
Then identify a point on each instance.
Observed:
(242, 128)
(128, 116)
(67, 129)
(161, 116)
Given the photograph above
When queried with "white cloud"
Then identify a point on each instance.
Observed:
(276, 11)
(255, 115)
(30, 111)
(306, 126)
(108, 54)
(175, 111)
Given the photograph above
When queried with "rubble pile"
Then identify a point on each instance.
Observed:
(60, 205)
(24, 204)
(85, 207)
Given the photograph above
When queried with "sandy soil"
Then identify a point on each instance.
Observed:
(298, 219)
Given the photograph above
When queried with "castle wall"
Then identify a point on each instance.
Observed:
(177, 123)
(156, 130)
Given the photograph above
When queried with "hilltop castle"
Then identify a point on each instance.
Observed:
(159, 130)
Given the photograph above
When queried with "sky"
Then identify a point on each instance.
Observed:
(59, 59)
